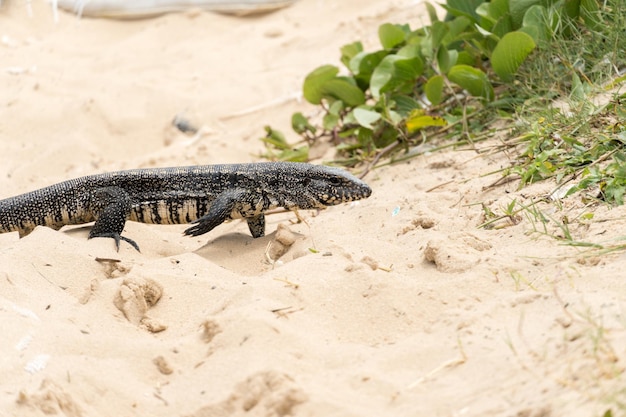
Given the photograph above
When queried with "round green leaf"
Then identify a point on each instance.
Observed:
(366, 117)
(438, 31)
(502, 26)
(408, 69)
(432, 12)
(312, 88)
(363, 64)
(510, 52)
(518, 9)
(411, 50)
(404, 104)
(349, 51)
(466, 58)
(300, 124)
(496, 9)
(390, 35)
(446, 58)
(395, 71)
(463, 8)
(434, 89)
(343, 90)
(383, 73)
(538, 23)
(300, 154)
(336, 108)
(473, 80)
(330, 121)
(275, 138)
(456, 27)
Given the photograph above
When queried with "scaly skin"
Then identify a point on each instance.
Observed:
(205, 195)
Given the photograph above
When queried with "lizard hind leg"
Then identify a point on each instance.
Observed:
(111, 207)
(257, 225)
(219, 212)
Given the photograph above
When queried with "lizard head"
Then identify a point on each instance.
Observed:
(318, 186)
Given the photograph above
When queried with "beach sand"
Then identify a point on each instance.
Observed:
(398, 305)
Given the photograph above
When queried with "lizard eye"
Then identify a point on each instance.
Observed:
(335, 181)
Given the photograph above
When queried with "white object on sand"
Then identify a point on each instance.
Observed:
(137, 9)
(38, 363)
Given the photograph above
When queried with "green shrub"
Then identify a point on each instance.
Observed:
(451, 73)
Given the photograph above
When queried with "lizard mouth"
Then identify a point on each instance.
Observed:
(363, 192)
(346, 195)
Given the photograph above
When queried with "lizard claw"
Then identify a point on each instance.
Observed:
(117, 237)
(191, 231)
(204, 225)
(196, 230)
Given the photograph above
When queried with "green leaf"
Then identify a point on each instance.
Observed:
(364, 136)
(445, 59)
(466, 58)
(498, 9)
(473, 80)
(463, 8)
(349, 51)
(502, 26)
(438, 31)
(349, 119)
(434, 89)
(385, 137)
(578, 90)
(330, 121)
(404, 104)
(410, 51)
(518, 9)
(408, 69)
(336, 108)
(420, 121)
(341, 89)
(510, 52)
(383, 74)
(390, 35)
(300, 124)
(497, 14)
(487, 20)
(275, 138)
(453, 57)
(533, 32)
(394, 118)
(456, 27)
(366, 117)
(534, 23)
(300, 154)
(312, 88)
(432, 12)
(395, 71)
(363, 64)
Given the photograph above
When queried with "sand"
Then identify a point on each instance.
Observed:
(398, 305)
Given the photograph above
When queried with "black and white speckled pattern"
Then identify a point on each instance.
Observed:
(206, 195)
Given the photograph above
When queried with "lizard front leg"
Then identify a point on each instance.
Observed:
(111, 207)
